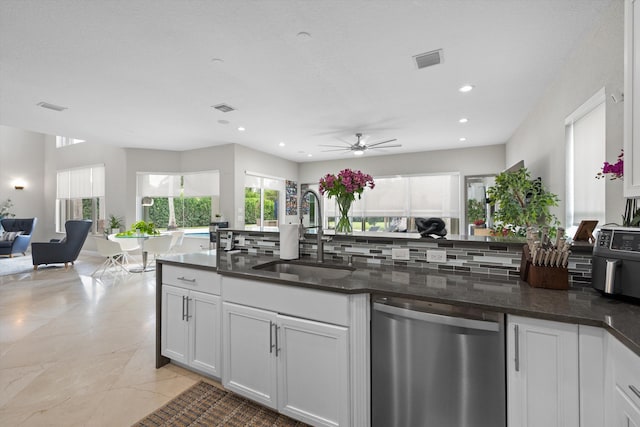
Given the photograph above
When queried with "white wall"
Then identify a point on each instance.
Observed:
(540, 140)
(22, 156)
(218, 158)
(247, 159)
(466, 161)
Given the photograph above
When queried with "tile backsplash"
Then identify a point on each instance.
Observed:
(463, 256)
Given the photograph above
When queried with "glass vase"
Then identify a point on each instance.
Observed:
(343, 225)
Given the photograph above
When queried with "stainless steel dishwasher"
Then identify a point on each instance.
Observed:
(436, 365)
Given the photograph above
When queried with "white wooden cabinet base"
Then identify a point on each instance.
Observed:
(542, 373)
(190, 318)
(289, 348)
(622, 385)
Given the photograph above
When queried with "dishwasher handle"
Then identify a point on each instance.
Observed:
(460, 322)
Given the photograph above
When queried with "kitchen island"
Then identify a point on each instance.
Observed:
(581, 308)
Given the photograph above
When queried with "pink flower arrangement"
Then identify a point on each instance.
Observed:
(347, 184)
(344, 188)
(616, 170)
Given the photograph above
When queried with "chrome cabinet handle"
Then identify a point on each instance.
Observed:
(184, 279)
(516, 342)
(634, 390)
(188, 316)
(278, 349)
(271, 345)
(183, 310)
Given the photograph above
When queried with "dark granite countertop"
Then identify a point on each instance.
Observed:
(512, 296)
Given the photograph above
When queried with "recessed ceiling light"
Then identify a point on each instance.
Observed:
(463, 120)
(466, 88)
(463, 139)
(217, 60)
(358, 152)
(281, 144)
(303, 35)
(241, 129)
(309, 155)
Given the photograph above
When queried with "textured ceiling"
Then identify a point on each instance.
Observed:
(140, 73)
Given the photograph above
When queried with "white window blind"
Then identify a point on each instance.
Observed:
(413, 196)
(201, 184)
(81, 183)
(390, 197)
(588, 156)
(586, 139)
(435, 195)
(158, 185)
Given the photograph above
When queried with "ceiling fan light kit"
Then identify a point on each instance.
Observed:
(359, 147)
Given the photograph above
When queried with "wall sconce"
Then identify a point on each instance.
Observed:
(19, 184)
(147, 201)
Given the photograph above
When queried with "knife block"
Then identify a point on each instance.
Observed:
(542, 277)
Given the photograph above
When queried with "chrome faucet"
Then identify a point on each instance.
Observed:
(320, 244)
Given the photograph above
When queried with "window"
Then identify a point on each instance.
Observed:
(262, 202)
(185, 200)
(63, 141)
(80, 195)
(585, 135)
(395, 202)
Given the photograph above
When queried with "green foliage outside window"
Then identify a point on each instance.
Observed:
(252, 205)
(189, 211)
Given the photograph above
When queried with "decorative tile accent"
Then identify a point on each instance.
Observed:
(465, 257)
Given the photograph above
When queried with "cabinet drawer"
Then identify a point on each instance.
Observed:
(191, 278)
(626, 370)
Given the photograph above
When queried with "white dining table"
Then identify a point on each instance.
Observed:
(141, 239)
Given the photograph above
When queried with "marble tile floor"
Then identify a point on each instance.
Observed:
(79, 351)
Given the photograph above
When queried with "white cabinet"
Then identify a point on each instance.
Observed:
(190, 332)
(622, 385)
(299, 367)
(249, 359)
(301, 351)
(542, 373)
(627, 413)
(632, 99)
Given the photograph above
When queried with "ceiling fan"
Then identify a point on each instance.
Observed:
(360, 146)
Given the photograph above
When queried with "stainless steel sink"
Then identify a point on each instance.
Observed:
(303, 269)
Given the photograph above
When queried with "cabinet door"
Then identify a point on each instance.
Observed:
(249, 344)
(313, 371)
(175, 334)
(632, 99)
(627, 414)
(542, 371)
(204, 332)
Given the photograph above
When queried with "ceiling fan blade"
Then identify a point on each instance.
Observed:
(337, 149)
(380, 143)
(388, 146)
(334, 146)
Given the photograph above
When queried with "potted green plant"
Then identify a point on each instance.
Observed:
(116, 224)
(521, 202)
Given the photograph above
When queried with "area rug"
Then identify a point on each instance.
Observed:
(16, 265)
(207, 405)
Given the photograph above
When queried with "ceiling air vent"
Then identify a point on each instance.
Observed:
(224, 108)
(428, 59)
(51, 106)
